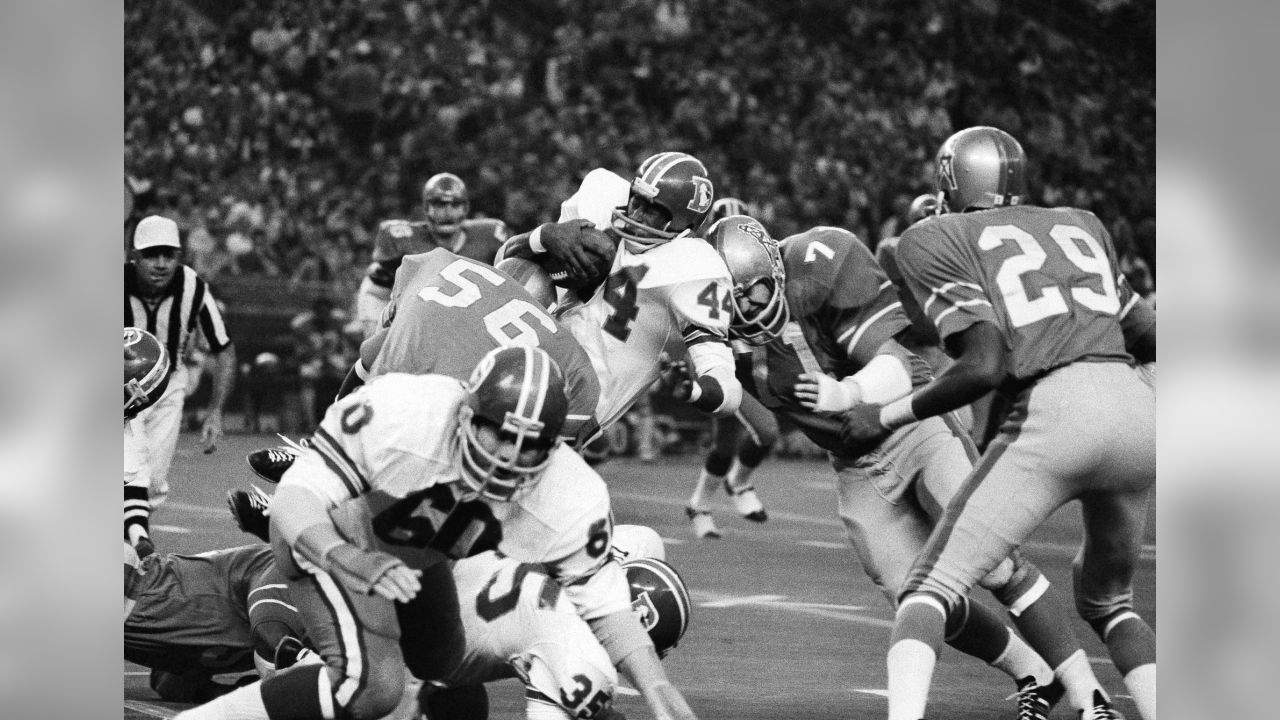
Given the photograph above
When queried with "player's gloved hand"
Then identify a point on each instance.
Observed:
(585, 252)
(675, 379)
(374, 571)
(862, 428)
(290, 651)
(822, 393)
(668, 704)
(144, 547)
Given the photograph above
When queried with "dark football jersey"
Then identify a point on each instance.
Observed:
(446, 312)
(205, 610)
(478, 239)
(843, 308)
(1046, 277)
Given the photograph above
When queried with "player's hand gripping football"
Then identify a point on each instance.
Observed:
(374, 571)
(585, 252)
(675, 378)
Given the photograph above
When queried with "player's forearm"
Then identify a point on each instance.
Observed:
(715, 389)
(301, 518)
(979, 369)
(516, 246)
(224, 378)
(645, 671)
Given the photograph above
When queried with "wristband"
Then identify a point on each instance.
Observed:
(535, 240)
(897, 413)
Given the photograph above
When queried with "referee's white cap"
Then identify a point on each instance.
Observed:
(156, 231)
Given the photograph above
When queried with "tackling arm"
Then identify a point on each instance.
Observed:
(630, 648)
(981, 365)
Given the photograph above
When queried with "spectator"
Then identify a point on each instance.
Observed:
(323, 353)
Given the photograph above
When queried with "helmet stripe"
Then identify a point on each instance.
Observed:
(542, 379)
(523, 403)
(661, 166)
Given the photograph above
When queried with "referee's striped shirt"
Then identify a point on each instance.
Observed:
(174, 315)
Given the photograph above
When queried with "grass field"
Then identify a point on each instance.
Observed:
(785, 624)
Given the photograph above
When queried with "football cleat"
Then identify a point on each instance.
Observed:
(251, 510)
(703, 525)
(270, 464)
(746, 502)
(1101, 709)
(1034, 701)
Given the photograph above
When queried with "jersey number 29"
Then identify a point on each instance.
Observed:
(1022, 308)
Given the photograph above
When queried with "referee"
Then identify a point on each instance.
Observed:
(167, 299)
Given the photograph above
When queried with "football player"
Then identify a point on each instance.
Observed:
(445, 313)
(445, 206)
(195, 616)
(146, 376)
(823, 323)
(738, 444)
(1029, 301)
(410, 470)
(635, 280)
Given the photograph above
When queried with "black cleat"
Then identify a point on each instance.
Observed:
(1034, 701)
(251, 510)
(270, 464)
(1101, 709)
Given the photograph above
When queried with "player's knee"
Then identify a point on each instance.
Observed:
(638, 541)
(718, 461)
(1016, 582)
(378, 694)
(579, 678)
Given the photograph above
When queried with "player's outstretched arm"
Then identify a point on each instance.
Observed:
(645, 671)
(584, 251)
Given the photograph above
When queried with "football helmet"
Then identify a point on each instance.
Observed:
(515, 397)
(146, 370)
(661, 599)
(726, 206)
(533, 277)
(753, 258)
(981, 167)
(926, 205)
(670, 195)
(445, 202)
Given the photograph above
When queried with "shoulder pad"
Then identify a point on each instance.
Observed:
(828, 265)
(681, 260)
(396, 228)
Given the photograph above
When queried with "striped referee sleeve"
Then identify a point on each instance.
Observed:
(211, 323)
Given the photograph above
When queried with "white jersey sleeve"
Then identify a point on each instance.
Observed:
(599, 193)
(395, 434)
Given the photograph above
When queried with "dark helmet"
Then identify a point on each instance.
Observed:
(519, 392)
(661, 599)
(670, 195)
(146, 370)
(981, 167)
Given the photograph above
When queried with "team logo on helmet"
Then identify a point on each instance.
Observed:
(702, 194)
(755, 231)
(946, 172)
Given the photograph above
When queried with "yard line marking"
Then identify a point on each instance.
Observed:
(198, 509)
(879, 692)
(824, 544)
(624, 690)
(847, 613)
(1060, 549)
(148, 709)
(172, 529)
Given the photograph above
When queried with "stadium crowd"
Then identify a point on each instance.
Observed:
(280, 132)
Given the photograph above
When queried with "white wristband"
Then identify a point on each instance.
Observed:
(897, 413)
(535, 240)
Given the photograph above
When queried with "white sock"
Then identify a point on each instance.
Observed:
(1141, 682)
(739, 475)
(706, 486)
(910, 664)
(1077, 677)
(243, 703)
(1018, 660)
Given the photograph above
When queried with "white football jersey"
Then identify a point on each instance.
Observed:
(673, 295)
(387, 458)
(518, 622)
